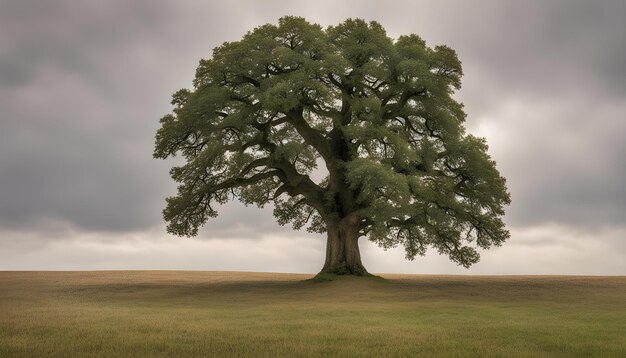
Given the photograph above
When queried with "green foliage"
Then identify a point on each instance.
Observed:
(378, 113)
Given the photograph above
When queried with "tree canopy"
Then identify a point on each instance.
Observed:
(375, 115)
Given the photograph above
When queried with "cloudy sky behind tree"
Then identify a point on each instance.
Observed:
(82, 86)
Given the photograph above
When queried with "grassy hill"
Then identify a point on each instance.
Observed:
(192, 313)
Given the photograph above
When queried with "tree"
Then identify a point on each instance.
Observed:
(376, 115)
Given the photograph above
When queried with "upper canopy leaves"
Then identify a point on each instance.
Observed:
(378, 113)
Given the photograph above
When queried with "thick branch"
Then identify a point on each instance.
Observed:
(310, 135)
(393, 110)
(295, 183)
(237, 182)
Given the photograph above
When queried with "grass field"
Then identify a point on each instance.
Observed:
(215, 314)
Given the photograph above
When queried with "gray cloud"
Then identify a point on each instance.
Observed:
(79, 114)
(563, 160)
(82, 87)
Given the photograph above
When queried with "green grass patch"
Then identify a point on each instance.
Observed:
(326, 277)
(190, 313)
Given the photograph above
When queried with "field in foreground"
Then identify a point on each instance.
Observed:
(190, 313)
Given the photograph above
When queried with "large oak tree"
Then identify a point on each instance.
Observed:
(375, 114)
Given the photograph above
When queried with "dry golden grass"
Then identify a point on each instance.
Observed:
(194, 313)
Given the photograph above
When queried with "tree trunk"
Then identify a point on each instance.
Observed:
(342, 249)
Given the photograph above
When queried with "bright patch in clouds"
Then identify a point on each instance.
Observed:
(548, 249)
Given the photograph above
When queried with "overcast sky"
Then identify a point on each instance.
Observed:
(83, 85)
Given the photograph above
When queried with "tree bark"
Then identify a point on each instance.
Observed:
(342, 249)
